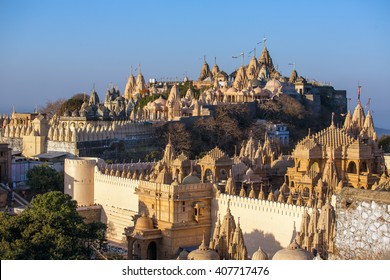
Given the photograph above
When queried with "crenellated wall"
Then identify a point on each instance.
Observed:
(272, 225)
(118, 191)
(119, 203)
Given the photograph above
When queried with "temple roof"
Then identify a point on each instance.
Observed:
(216, 156)
(205, 72)
(331, 136)
(265, 58)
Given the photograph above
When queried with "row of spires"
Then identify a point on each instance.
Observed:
(313, 200)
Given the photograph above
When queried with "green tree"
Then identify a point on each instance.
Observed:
(154, 155)
(50, 229)
(145, 100)
(42, 178)
(73, 103)
(183, 87)
(384, 142)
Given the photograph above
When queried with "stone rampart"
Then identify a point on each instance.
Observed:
(119, 201)
(272, 225)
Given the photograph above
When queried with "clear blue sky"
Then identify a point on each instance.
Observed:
(53, 49)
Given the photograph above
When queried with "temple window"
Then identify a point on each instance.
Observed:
(363, 167)
(352, 167)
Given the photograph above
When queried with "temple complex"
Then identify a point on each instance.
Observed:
(257, 204)
(185, 209)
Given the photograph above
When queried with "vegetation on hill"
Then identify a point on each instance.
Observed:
(51, 229)
(226, 128)
(145, 100)
(232, 123)
(61, 105)
(286, 109)
(183, 88)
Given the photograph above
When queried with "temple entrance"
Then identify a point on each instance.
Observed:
(208, 175)
(152, 251)
(352, 168)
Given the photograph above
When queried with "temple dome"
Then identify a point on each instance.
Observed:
(231, 90)
(190, 179)
(273, 85)
(293, 252)
(160, 101)
(144, 222)
(183, 255)
(203, 253)
(260, 255)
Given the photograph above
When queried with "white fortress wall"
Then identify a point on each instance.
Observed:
(119, 201)
(118, 191)
(271, 225)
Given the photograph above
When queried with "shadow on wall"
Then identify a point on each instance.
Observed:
(142, 208)
(68, 183)
(110, 226)
(265, 240)
(294, 234)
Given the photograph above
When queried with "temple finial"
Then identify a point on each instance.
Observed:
(253, 51)
(359, 88)
(349, 104)
(368, 104)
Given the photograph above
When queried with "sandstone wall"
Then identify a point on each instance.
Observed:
(90, 213)
(117, 197)
(272, 225)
